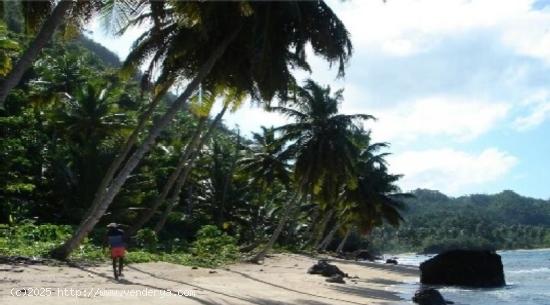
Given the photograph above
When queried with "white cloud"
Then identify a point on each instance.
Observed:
(449, 170)
(405, 27)
(408, 26)
(529, 34)
(458, 118)
(538, 105)
(539, 114)
(250, 118)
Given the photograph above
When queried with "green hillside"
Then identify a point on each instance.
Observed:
(435, 222)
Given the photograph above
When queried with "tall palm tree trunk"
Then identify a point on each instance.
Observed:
(288, 209)
(161, 198)
(228, 179)
(173, 202)
(100, 208)
(128, 145)
(54, 20)
(322, 228)
(342, 244)
(328, 239)
(311, 230)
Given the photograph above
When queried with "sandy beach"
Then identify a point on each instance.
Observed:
(282, 279)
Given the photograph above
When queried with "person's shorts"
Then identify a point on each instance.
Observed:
(117, 252)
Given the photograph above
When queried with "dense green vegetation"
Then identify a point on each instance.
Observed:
(435, 222)
(88, 141)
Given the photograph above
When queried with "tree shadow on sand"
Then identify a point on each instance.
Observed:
(127, 282)
(297, 291)
(264, 301)
(188, 284)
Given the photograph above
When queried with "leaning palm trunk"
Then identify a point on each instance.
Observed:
(161, 198)
(128, 145)
(50, 25)
(288, 209)
(342, 244)
(173, 202)
(312, 227)
(328, 239)
(100, 208)
(322, 228)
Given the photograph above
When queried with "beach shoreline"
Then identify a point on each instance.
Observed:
(282, 279)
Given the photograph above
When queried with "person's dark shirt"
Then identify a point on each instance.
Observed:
(115, 237)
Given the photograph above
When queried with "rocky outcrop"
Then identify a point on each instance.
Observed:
(325, 269)
(358, 255)
(391, 261)
(429, 296)
(464, 268)
(363, 255)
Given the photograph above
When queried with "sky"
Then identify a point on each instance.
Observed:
(460, 89)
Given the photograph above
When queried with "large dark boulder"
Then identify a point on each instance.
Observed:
(325, 269)
(429, 296)
(364, 255)
(392, 261)
(469, 268)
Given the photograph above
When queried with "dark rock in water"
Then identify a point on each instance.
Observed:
(429, 296)
(469, 268)
(391, 261)
(337, 278)
(325, 269)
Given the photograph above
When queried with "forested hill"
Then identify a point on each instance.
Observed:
(435, 222)
(108, 57)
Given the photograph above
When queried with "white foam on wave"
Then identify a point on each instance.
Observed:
(536, 270)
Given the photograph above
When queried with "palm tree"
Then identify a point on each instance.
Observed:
(85, 120)
(45, 34)
(269, 164)
(178, 177)
(344, 240)
(49, 16)
(248, 46)
(376, 198)
(182, 179)
(201, 105)
(320, 142)
(320, 139)
(168, 185)
(318, 229)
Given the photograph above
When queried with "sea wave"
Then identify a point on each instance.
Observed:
(535, 270)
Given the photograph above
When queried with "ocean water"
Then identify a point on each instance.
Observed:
(527, 275)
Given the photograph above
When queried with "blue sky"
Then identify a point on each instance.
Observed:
(461, 89)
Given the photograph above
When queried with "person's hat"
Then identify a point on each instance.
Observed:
(112, 225)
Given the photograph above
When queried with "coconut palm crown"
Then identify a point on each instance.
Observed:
(320, 138)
